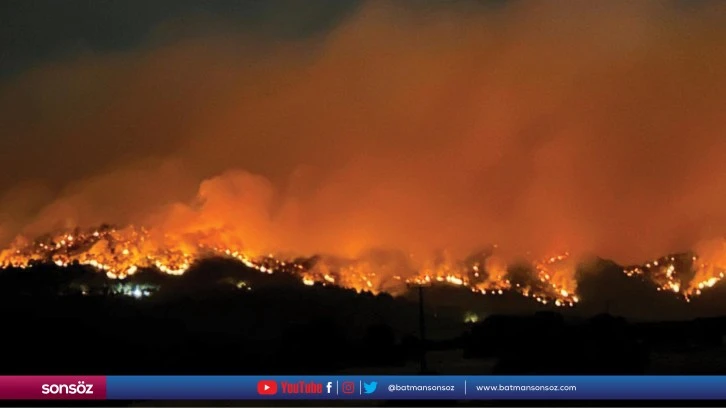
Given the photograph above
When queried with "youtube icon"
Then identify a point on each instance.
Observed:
(267, 387)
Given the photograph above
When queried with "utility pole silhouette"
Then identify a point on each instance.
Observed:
(422, 328)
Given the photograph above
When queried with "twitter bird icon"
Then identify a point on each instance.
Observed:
(369, 388)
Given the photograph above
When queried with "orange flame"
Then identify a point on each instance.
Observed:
(122, 252)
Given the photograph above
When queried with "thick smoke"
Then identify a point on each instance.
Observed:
(596, 127)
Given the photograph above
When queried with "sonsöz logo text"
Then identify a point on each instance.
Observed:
(67, 389)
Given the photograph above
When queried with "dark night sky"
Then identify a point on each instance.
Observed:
(34, 30)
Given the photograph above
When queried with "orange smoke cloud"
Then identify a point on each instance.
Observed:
(541, 127)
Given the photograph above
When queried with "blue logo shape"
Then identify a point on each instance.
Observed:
(370, 388)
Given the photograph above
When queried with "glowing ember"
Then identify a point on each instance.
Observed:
(686, 275)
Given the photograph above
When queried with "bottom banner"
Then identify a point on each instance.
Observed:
(363, 387)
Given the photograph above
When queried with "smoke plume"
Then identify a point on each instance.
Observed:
(593, 127)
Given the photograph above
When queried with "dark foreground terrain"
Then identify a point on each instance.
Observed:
(209, 323)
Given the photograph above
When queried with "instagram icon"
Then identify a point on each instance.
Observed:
(347, 387)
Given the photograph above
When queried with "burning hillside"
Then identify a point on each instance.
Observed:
(414, 129)
(687, 274)
(122, 252)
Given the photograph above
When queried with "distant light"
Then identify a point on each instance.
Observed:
(137, 293)
(470, 317)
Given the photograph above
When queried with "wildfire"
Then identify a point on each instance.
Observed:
(122, 252)
(686, 275)
(557, 274)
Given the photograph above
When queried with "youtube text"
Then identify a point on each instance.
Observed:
(305, 387)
